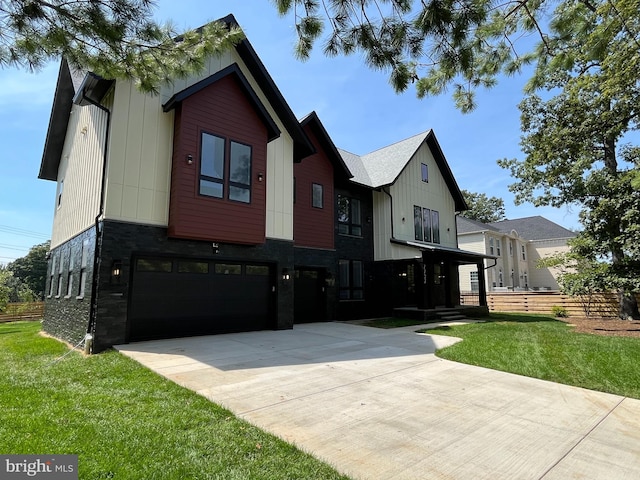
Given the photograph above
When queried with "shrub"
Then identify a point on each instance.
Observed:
(559, 311)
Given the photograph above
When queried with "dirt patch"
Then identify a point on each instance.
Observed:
(613, 327)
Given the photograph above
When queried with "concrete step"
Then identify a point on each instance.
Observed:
(453, 318)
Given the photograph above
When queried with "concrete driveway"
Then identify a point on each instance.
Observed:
(378, 404)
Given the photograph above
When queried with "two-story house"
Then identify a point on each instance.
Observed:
(210, 208)
(517, 246)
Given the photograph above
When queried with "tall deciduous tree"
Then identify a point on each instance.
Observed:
(31, 270)
(112, 38)
(573, 137)
(483, 208)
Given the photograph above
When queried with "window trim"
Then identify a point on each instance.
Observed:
(313, 197)
(424, 172)
(234, 184)
(353, 228)
(207, 178)
(349, 288)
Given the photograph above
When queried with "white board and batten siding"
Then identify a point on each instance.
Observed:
(77, 201)
(407, 191)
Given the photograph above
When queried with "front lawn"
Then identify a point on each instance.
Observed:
(126, 422)
(542, 347)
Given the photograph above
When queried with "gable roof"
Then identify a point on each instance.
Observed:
(313, 122)
(75, 86)
(467, 225)
(383, 167)
(534, 228)
(273, 131)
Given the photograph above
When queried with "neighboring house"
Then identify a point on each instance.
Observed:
(517, 245)
(210, 208)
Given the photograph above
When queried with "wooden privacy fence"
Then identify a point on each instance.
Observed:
(597, 305)
(22, 311)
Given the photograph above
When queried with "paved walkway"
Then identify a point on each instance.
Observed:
(377, 404)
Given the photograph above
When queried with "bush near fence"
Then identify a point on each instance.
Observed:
(22, 311)
(597, 305)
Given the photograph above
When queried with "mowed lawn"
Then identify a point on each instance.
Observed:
(542, 347)
(126, 422)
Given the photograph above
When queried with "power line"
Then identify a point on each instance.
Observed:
(15, 247)
(23, 232)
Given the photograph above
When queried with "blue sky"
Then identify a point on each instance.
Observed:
(357, 106)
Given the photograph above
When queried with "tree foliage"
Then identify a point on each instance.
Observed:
(573, 138)
(112, 38)
(31, 271)
(483, 208)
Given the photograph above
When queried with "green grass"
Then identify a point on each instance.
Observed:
(542, 347)
(126, 422)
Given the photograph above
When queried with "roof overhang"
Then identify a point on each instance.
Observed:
(455, 254)
(313, 122)
(92, 90)
(273, 131)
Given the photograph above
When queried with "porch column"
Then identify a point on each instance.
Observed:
(482, 286)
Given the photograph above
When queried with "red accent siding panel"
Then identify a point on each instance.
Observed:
(313, 227)
(222, 110)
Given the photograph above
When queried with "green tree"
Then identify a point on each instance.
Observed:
(112, 38)
(31, 271)
(573, 138)
(483, 208)
(5, 289)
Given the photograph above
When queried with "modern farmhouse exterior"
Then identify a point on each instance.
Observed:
(210, 208)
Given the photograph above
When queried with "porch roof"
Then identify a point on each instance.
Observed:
(458, 256)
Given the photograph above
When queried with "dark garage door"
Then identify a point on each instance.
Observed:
(181, 297)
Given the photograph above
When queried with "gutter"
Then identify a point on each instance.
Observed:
(99, 231)
(391, 204)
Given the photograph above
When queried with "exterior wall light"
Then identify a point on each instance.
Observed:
(285, 274)
(260, 176)
(189, 159)
(116, 271)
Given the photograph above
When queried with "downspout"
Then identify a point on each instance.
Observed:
(391, 204)
(88, 346)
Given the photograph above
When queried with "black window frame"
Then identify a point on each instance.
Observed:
(351, 288)
(227, 185)
(348, 224)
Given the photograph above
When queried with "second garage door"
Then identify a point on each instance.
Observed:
(173, 297)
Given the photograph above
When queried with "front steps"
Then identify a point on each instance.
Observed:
(456, 314)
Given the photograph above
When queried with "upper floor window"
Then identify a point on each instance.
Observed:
(317, 194)
(60, 190)
(425, 172)
(524, 254)
(349, 216)
(213, 169)
(426, 224)
(498, 247)
(491, 246)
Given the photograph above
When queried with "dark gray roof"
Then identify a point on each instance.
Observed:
(383, 167)
(534, 228)
(467, 225)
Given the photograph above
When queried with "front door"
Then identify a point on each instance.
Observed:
(438, 286)
(310, 300)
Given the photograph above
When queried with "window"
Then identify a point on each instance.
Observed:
(228, 269)
(193, 267)
(70, 275)
(435, 226)
(349, 216)
(59, 290)
(524, 254)
(425, 172)
(475, 284)
(426, 224)
(500, 278)
(83, 268)
(240, 173)
(491, 246)
(510, 248)
(316, 195)
(52, 276)
(351, 279)
(60, 189)
(213, 165)
(154, 265)
(261, 270)
(498, 246)
(417, 222)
